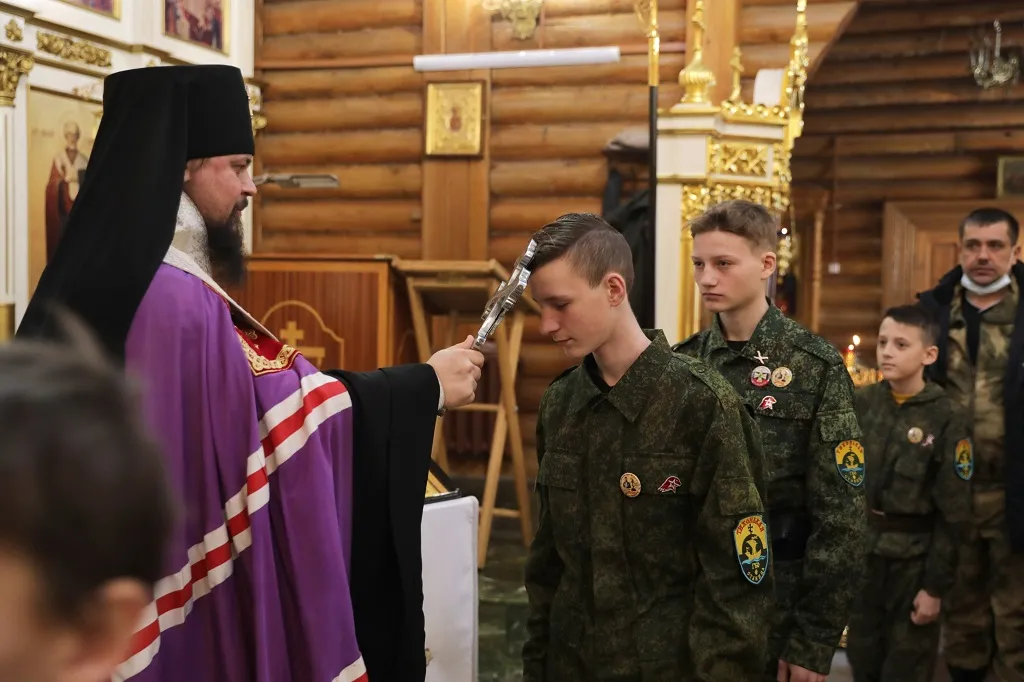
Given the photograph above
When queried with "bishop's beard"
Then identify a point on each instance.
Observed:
(226, 249)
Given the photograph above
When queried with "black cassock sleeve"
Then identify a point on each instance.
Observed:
(395, 411)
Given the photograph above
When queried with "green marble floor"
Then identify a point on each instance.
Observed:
(502, 611)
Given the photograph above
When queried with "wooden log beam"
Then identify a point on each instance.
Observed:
(567, 8)
(860, 192)
(775, 56)
(329, 16)
(311, 149)
(810, 3)
(567, 104)
(776, 24)
(370, 217)
(398, 41)
(329, 83)
(917, 167)
(590, 30)
(563, 177)
(915, 118)
(523, 217)
(820, 100)
(884, 19)
(557, 141)
(340, 242)
(998, 140)
(897, 70)
(869, 47)
(630, 69)
(393, 110)
(363, 181)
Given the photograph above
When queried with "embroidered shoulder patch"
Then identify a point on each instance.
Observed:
(751, 537)
(265, 355)
(850, 462)
(964, 459)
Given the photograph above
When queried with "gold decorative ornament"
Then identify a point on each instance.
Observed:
(697, 78)
(737, 75)
(524, 15)
(647, 13)
(13, 65)
(73, 50)
(739, 158)
(259, 121)
(13, 30)
(795, 79)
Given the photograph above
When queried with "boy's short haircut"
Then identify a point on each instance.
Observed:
(83, 494)
(916, 315)
(742, 218)
(593, 247)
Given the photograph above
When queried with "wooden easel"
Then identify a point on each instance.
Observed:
(460, 290)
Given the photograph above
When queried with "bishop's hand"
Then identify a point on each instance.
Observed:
(458, 370)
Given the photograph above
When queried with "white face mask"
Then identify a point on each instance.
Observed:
(984, 290)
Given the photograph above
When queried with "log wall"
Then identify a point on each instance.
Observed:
(341, 97)
(893, 113)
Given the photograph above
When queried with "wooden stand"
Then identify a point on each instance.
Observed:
(460, 290)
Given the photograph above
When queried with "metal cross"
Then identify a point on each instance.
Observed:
(761, 358)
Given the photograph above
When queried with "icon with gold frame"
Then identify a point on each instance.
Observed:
(454, 121)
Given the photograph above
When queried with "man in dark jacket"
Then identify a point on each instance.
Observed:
(981, 351)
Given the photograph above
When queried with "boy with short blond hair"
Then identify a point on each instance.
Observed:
(920, 461)
(801, 396)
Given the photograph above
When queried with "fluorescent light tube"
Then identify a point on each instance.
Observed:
(515, 60)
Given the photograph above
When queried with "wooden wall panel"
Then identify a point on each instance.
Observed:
(341, 97)
(893, 114)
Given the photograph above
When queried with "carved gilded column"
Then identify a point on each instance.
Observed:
(13, 65)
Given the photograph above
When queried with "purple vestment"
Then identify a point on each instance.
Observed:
(258, 447)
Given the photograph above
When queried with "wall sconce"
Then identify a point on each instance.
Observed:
(524, 15)
(298, 180)
(989, 67)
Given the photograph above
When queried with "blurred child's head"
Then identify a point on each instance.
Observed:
(84, 513)
(907, 342)
(581, 275)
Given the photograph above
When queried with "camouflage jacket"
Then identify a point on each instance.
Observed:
(993, 396)
(919, 463)
(651, 557)
(801, 395)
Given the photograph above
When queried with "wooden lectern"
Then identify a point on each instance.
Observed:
(460, 291)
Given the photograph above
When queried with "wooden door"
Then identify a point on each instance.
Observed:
(920, 243)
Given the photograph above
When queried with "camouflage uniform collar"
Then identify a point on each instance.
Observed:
(929, 393)
(766, 340)
(633, 390)
(1004, 312)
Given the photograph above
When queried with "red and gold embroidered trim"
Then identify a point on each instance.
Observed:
(265, 355)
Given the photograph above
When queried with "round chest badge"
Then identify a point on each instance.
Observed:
(629, 484)
(782, 377)
(760, 376)
(915, 435)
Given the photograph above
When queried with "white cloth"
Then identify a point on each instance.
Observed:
(449, 536)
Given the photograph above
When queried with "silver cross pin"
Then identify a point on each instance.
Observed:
(761, 358)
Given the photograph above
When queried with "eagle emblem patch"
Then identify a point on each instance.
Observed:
(850, 462)
(964, 459)
(751, 537)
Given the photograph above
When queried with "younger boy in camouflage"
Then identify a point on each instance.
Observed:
(651, 562)
(801, 394)
(920, 461)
